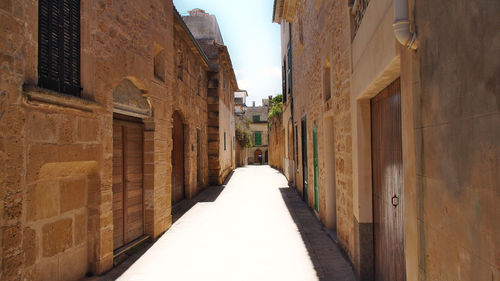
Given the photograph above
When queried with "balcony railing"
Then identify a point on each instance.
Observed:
(358, 11)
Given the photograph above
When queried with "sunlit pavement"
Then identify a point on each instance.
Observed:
(256, 229)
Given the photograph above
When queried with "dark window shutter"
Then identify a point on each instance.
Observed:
(59, 45)
(290, 69)
(283, 78)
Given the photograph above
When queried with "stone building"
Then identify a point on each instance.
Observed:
(99, 118)
(240, 107)
(394, 132)
(221, 87)
(257, 115)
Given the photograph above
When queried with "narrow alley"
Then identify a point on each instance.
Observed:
(257, 228)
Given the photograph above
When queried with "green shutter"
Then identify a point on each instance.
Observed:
(256, 118)
(258, 139)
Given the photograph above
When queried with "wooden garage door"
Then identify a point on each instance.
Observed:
(388, 208)
(178, 192)
(128, 202)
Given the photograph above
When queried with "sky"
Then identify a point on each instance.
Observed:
(252, 39)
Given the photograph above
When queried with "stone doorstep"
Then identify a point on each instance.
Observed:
(122, 253)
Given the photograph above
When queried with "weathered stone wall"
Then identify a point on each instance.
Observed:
(276, 143)
(190, 100)
(457, 133)
(56, 151)
(315, 46)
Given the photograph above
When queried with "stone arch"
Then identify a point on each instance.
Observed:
(256, 156)
(129, 99)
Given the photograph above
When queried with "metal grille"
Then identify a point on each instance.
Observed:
(59, 46)
(360, 9)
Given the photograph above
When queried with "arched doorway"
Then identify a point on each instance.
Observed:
(257, 159)
(178, 192)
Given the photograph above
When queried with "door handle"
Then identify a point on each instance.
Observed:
(395, 201)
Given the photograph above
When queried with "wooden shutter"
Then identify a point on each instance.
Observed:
(59, 45)
(258, 139)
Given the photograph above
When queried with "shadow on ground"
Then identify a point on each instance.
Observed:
(208, 194)
(326, 256)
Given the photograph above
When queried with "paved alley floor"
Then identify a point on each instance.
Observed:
(256, 228)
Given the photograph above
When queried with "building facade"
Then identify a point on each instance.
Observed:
(257, 116)
(221, 87)
(394, 123)
(104, 125)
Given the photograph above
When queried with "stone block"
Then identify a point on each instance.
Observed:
(57, 237)
(73, 265)
(43, 201)
(41, 126)
(12, 266)
(80, 228)
(29, 246)
(46, 270)
(73, 193)
(12, 237)
(87, 130)
(13, 207)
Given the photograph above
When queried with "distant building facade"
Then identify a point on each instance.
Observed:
(257, 115)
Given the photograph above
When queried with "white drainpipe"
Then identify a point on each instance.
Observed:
(402, 25)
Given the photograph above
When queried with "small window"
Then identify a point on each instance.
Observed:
(224, 140)
(59, 46)
(180, 64)
(256, 118)
(159, 65)
(258, 138)
(327, 90)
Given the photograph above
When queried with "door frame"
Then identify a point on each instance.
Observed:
(305, 172)
(316, 168)
(184, 137)
(117, 117)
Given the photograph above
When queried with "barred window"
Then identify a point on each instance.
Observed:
(59, 46)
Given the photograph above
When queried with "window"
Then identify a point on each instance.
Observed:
(180, 64)
(159, 65)
(224, 140)
(283, 81)
(327, 91)
(256, 118)
(257, 138)
(289, 54)
(59, 46)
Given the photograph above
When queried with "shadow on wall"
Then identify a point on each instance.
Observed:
(330, 263)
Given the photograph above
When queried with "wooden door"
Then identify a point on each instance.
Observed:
(178, 193)
(316, 168)
(128, 202)
(388, 203)
(304, 159)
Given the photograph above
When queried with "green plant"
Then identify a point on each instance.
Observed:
(243, 133)
(275, 109)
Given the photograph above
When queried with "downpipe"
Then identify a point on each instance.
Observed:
(401, 25)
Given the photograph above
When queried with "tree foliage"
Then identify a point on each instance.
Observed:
(275, 109)
(243, 133)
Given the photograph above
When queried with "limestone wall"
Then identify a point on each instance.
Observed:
(56, 151)
(314, 47)
(456, 103)
(277, 144)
